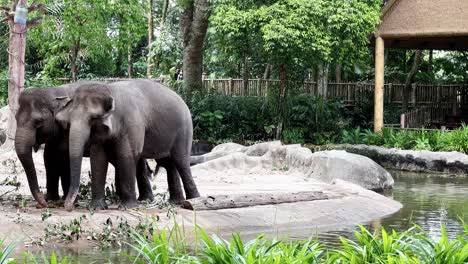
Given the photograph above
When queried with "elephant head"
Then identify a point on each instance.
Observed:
(91, 107)
(35, 126)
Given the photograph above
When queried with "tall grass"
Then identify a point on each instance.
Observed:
(412, 246)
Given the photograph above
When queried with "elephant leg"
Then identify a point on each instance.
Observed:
(181, 160)
(65, 175)
(126, 168)
(99, 166)
(52, 173)
(176, 195)
(143, 176)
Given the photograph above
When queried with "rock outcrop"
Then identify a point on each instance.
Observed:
(412, 160)
(325, 166)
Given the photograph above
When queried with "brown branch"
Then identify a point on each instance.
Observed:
(33, 22)
(37, 7)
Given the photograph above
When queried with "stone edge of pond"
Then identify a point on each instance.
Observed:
(408, 160)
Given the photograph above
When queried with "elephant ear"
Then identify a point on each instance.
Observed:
(109, 107)
(62, 110)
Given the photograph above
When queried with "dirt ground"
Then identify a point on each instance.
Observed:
(19, 217)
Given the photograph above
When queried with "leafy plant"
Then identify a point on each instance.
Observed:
(53, 259)
(293, 136)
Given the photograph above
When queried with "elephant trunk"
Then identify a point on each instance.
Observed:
(79, 135)
(24, 142)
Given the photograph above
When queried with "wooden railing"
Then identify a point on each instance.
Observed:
(421, 94)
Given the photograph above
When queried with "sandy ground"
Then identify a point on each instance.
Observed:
(303, 219)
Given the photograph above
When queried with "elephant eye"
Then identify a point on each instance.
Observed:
(38, 122)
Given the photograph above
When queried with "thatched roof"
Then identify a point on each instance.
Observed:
(425, 24)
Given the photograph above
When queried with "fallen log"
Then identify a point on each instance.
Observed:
(214, 202)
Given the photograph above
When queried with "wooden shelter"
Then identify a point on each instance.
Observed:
(417, 24)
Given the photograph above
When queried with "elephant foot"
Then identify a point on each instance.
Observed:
(146, 197)
(176, 200)
(98, 204)
(52, 197)
(193, 194)
(56, 204)
(128, 204)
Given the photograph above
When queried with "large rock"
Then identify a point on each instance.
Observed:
(413, 160)
(325, 166)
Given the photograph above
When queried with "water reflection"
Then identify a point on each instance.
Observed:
(428, 201)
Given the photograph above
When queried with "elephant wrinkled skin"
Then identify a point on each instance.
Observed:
(36, 125)
(125, 121)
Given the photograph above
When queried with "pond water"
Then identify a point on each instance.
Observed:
(428, 200)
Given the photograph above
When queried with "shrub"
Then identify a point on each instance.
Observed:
(435, 140)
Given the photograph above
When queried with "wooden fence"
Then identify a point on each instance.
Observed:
(421, 94)
(436, 114)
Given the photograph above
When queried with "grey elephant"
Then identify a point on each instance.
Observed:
(36, 125)
(126, 121)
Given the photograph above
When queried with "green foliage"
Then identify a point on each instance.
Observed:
(218, 117)
(293, 136)
(6, 249)
(53, 259)
(172, 246)
(412, 246)
(434, 140)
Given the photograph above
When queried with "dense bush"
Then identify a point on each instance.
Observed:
(219, 117)
(308, 118)
(435, 140)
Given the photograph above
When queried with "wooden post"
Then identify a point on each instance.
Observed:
(413, 94)
(390, 92)
(455, 103)
(439, 95)
(379, 84)
(16, 62)
(402, 121)
(231, 86)
(349, 91)
(259, 86)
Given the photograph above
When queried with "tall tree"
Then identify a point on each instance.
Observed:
(410, 78)
(17, 19)
(76, 30)
(149, 60)
(194, 24)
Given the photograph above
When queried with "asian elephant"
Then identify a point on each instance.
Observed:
(36, 125)
(125, 121)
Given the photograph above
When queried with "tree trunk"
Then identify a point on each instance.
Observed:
(431, 61)
(245, 75)
(338, 67)
(267, 73)
(410, 79)
(73, 59)
(164, 13)
(281, 100)
(161, 29)
(16, 63)
(216, 202)
(149, 59)
(194, 24)
(130, 61)
(322, 79)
